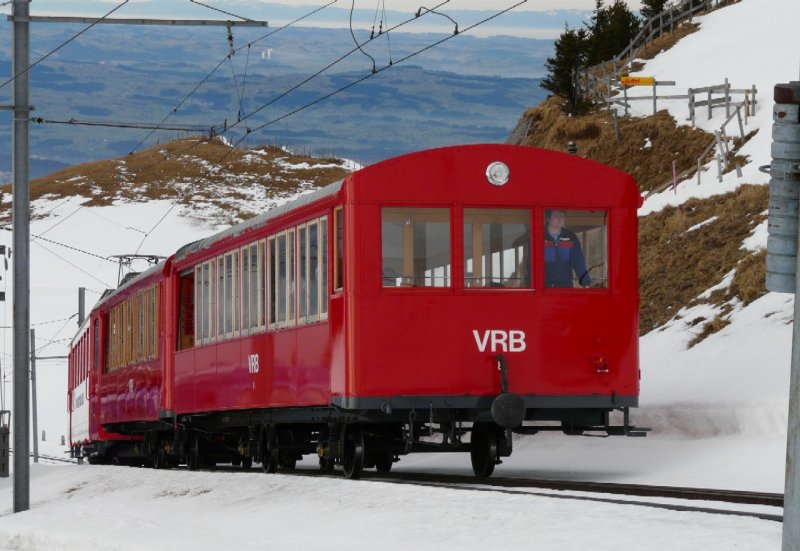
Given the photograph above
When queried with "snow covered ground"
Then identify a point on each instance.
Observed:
(718, 410)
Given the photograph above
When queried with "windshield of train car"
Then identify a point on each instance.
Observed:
(415, 247)
(497, 248)
(575, 248)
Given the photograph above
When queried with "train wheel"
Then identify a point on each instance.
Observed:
(484, 450)
(269, 451)
(353, 452)
(194, 458)
(383, 462)
(160, 458)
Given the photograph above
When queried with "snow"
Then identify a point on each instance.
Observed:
(717, 409)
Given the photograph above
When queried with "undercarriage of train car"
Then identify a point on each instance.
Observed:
(351, 439)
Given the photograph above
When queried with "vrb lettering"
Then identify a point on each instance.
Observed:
(499, 340)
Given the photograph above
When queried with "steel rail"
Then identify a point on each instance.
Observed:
(520, 486)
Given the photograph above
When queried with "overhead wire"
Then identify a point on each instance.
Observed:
(57, 48)
(219, 10)
(52, 340)
(75, 266)
(353, 34)
(405, 58)
(216, 165)
(249, 131)
(216, 68)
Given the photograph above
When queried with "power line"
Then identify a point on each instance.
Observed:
(37, 62)
(74, 265)
(214, 70)
(362, 79)
(219, 10)
(216, 165)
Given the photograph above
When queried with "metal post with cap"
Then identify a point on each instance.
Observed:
(783, 252)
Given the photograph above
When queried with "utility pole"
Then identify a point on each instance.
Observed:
(21, 20)
(33, 398)
(21, 238)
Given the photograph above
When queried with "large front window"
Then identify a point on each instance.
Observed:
(575, 248)
(416, 247)
(497, 248)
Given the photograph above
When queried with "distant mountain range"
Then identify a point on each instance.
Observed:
(466, 90)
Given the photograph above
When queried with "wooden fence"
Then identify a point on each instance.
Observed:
(711, 97)
(594, 78)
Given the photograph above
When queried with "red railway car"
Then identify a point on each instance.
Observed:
(438, 301)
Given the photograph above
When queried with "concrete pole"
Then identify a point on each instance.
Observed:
(21, 240)
(33, 398)
(787, 148)
(81, 305)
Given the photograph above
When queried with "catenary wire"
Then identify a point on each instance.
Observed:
(318, 100)
(219, 10)
(282, 95)
(353, 34)
(74, 265)
(57, 48)
(216, 68)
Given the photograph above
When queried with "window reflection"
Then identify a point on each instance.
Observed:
(416, 247)
(497, 248)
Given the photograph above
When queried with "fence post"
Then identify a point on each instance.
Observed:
(691, 106)
(616, 124)
(727, 98)
(753, 101)
(739, 117)
(625, 93)
(699, 170)
(709, 104)
(654, 97)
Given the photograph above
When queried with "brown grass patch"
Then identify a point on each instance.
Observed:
(595, 137)
(675, 266)
(667, 40)
(187, 167)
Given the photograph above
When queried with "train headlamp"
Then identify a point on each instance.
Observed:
(497, 173)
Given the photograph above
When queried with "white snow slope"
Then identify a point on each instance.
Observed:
(718, 410)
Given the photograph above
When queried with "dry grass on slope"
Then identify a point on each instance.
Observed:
(676, 266)
(646, 149)
(187, 166)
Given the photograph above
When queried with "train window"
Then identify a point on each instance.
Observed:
(205, 300)
(96, 354)
(313, 281)
(253, 303)
(497, 248)
(313, 270)
(261, 302)
(575, 248)
(186, 310)
(302, 280)
(322, 267)
(416, 247)
(229, 294)
(338, 251)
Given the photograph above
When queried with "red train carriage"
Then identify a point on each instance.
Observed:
(438, 301)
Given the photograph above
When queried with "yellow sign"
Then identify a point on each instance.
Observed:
(637, 81)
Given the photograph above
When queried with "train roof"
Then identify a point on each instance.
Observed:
(131, 282)
(257, 221)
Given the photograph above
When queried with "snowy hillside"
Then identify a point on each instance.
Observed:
(718, 409)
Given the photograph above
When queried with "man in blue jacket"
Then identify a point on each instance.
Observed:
(562, 253)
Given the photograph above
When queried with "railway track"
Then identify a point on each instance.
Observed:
(676, 497)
